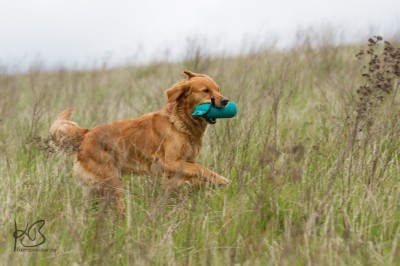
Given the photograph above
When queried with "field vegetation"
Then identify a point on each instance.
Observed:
(313, 156)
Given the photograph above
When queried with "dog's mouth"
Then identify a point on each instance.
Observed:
(211, 121)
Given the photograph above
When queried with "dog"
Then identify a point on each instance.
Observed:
(163, 144)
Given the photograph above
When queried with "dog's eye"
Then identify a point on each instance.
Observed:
(206, 90)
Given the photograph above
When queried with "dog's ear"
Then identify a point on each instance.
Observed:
(190, 74)
(176, 91)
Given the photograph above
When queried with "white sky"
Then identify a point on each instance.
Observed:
(83, 32)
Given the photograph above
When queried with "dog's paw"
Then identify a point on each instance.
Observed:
(222, 181)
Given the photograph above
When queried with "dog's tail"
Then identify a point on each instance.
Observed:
(66, 133)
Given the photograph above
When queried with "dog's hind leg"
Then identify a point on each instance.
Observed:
(114, 190)
(103, 180)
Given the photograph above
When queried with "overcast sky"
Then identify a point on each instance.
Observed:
(86, 32)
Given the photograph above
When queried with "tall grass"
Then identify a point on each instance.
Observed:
(311, 185)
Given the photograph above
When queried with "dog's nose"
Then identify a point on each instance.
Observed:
(224, 101)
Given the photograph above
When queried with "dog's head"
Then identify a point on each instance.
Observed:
(195, 90)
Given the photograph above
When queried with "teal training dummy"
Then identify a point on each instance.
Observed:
(210, 112)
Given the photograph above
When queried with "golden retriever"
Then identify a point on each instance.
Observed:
(164, 143)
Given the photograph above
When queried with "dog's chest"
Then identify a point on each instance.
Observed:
(192, 150)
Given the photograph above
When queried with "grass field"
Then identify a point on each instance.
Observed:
(314, 168)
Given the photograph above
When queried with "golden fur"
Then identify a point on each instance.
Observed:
(164, 143)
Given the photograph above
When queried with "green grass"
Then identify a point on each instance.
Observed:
(303, 192)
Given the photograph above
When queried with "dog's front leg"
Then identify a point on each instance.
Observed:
(182, 171)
